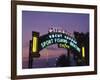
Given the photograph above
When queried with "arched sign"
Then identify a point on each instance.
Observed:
(63, 40)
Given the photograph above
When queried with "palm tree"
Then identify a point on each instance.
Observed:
(83, 40)
(62, 61)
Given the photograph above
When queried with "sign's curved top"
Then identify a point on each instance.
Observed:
(57, 38)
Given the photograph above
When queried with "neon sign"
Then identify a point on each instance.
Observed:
(58, 38)
(62, 39)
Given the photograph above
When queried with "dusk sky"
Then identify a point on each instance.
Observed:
(42, 21)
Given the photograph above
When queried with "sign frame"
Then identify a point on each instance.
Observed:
(14, 39)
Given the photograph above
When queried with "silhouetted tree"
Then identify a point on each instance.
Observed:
(83, 40)
(62, 61)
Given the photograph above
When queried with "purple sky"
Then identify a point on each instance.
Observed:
(42, 21)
